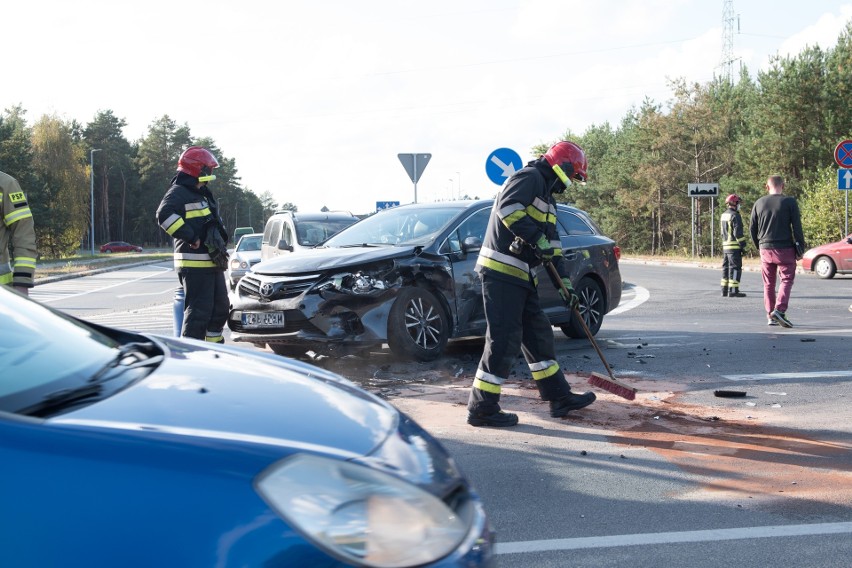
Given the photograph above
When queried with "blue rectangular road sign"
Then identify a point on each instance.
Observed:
(844, 179)
(386, 204)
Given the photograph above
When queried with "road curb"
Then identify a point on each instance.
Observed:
(59, 278)
(696, 264)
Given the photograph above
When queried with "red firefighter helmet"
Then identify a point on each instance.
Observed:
(568, 161)
(733, 199)
(198, 162)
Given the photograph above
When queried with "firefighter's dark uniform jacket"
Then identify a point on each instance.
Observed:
(524, 208)
(187, 213)
(18, 230)
(733, 237)
(733, 245)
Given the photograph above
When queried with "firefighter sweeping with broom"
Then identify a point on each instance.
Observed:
(521, 235)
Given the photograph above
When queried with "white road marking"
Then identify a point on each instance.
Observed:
(57, 290)
(803, 331)
(641, 295)
(791, 376)
(713, 535)
(153, 319)
(169, 290)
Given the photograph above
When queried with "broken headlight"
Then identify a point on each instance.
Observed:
(357, 283)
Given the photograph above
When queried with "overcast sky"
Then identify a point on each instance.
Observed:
(315, 99)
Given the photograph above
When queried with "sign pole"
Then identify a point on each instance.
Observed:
(712, 225)
(415, 178)
(692, 224)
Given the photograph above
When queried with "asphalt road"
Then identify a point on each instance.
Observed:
(677, 477)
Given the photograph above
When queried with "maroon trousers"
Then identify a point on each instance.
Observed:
(773, 263)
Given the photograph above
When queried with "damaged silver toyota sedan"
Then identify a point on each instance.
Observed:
(405, 277)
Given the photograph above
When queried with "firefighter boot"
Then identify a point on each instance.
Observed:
(556, 390)
(571, 401)
(735, 293)
(483, 409)
(724, 290)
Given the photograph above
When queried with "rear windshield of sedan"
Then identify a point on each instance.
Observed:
(249, 243)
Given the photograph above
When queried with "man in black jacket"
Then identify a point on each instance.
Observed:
(776, 229)
(522, 234)
(189, 214)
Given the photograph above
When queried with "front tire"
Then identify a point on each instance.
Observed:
(824, 267)
(418, 326)
(591, 307)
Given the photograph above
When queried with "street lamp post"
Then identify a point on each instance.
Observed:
(92, 197)
(459, 176)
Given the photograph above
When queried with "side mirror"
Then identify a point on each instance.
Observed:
(471, 244)
(282, 245)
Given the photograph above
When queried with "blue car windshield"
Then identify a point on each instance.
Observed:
(41, 348)
(408, 225)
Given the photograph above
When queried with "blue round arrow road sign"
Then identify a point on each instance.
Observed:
(843, 154)
(501, 164)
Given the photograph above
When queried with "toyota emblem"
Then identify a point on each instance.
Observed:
(266, 289)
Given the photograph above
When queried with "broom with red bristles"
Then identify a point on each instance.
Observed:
(610, 383)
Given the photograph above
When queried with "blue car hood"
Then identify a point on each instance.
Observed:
(231, 396)
(316, 260)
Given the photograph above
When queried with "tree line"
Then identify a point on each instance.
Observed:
(61, 164)
(786, 120)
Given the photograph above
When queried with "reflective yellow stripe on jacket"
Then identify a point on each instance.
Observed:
(17, 215)
(193, 260)
(730, 242)
(511, 265)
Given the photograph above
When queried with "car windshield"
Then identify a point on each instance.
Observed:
(42, 350)
(312, 233)
(397, 226)
(249, 243)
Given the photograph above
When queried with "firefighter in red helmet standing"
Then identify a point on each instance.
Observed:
(189, 213)
(521, 234)
(733, 245)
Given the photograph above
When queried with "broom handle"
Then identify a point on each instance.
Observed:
(579, 317)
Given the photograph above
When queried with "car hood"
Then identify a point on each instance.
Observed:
(315, 260)
(827, 248)
(227, 396)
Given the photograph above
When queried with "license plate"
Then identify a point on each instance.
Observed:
(262, 319)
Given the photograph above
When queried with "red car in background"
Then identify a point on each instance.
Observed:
(120, 246)
(830, 259)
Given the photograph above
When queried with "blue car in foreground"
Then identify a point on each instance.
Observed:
(120, 449)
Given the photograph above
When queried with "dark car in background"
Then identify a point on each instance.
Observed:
(120, 246)
(827, 260)
(123, 449)
(405, 276)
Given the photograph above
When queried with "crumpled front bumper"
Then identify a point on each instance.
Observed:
(323, 321)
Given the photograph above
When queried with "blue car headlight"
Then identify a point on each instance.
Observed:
(360, 514)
